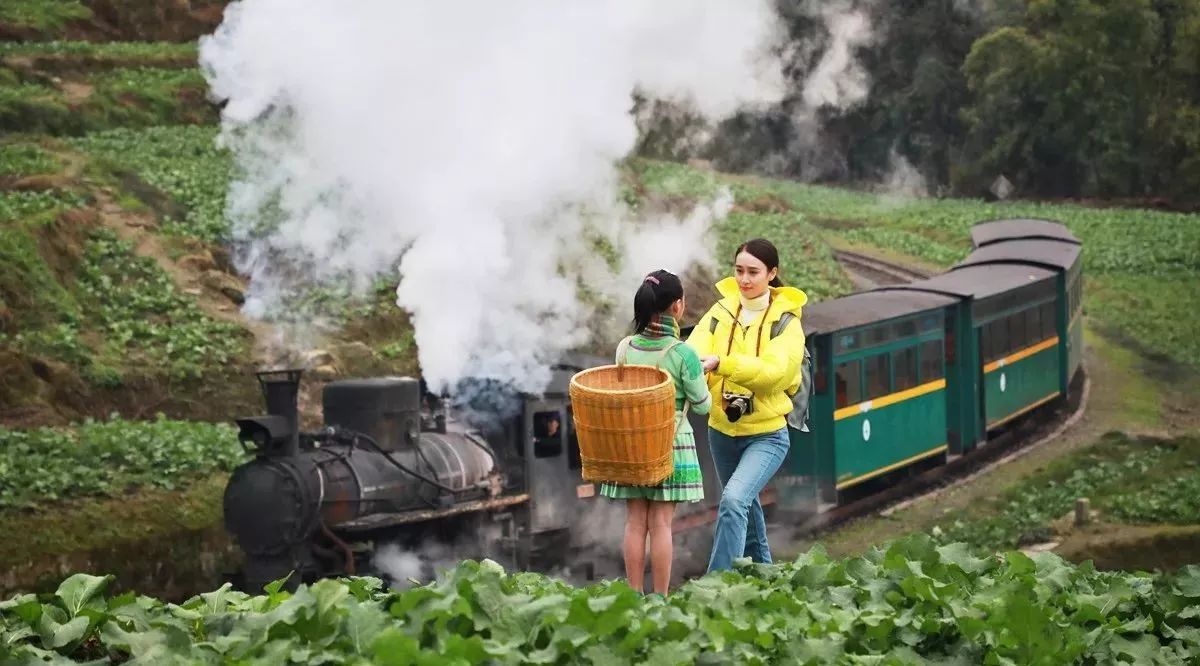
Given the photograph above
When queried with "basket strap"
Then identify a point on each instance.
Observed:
(622, 351)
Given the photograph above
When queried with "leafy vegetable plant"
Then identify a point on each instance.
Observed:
(107, 458)
(910, 603)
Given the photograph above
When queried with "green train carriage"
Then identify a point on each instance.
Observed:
(1050, 245)
(928, 370)
(879, 401)
(1006, 321)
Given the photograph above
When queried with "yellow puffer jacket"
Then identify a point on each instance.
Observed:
(772, 376)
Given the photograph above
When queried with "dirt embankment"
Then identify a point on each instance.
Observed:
(127, 20)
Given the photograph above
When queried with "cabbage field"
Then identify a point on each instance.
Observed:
(912, 602)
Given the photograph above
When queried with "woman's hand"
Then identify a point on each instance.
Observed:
(710, 363)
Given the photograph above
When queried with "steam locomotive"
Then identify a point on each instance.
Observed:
(904, 377)
(392, 466)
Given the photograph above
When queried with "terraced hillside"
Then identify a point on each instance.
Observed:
(122, 342)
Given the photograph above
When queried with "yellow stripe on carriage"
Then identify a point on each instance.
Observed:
(889, 399)
(1017, 356)
(1024, 410)
(883, 470)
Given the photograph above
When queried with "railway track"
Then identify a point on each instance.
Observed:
(870, 272)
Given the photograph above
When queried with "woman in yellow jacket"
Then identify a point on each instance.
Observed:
(751, 343)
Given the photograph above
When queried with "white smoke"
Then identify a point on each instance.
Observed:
(902, 181)
(839, 80)
(473, 146)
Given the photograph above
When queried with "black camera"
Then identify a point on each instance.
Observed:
(737, 406)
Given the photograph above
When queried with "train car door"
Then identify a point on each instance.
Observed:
(553, 484)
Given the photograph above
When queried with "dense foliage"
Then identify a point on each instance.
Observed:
(905, 604)
(144, 51)
(25, 160)
(1089, 98)
(136, 96)
(107, 458)
(18, 205)
(44, 14)
(1064, 98)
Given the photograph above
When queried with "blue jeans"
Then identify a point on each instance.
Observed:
(744, 465)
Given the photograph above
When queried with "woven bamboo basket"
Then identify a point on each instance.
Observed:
(625, 418)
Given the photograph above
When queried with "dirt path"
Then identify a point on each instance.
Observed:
(76, 92)
(188, 262)
(195, 273)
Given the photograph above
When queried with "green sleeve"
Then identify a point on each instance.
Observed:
(691, 377)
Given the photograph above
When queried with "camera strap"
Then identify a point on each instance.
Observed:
(733, 330)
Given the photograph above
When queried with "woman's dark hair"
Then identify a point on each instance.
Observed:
(763, 250)
(658, 291)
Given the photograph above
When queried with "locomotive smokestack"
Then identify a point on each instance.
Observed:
(281, 389)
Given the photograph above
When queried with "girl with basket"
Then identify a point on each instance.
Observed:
(657, 307)
(751, 344)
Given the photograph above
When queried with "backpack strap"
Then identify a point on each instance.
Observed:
(781, 323)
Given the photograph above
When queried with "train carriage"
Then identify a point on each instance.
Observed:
(1010, 332)
(1050, 245)
(1010, 337)
(880, 388)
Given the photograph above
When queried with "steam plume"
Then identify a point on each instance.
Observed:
(472, 146)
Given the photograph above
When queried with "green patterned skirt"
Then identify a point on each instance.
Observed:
(686, 484)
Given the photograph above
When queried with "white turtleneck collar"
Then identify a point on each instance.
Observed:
(753, 307)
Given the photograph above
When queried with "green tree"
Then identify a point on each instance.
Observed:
(1062, 104)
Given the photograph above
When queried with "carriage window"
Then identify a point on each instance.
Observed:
(547, 434)
(847, 342)
(931, 361)
(1033, 325)
(849, 384)
(1016, 332)
(999, 338)
(1049, 321)
(990, 347)
(878, 381)
(931, 323)
(905, 363)
(907, 329)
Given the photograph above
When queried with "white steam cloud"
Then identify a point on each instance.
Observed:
(473, 147)
(839, 80)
